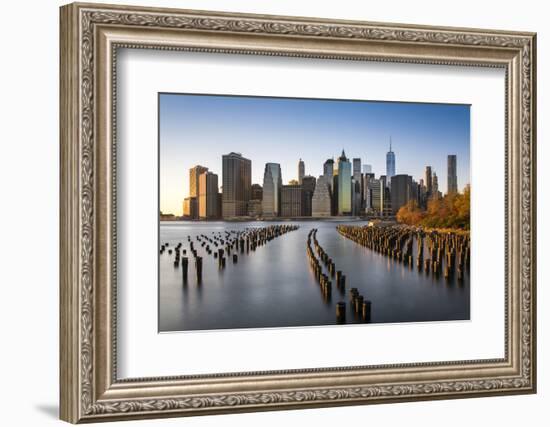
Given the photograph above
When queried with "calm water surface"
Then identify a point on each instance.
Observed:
(274, 285)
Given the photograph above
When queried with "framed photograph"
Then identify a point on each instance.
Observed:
(265, 212)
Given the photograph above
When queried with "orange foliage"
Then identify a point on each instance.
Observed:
(451, 211)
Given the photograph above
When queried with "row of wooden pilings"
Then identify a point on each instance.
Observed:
(223, 245)
(447, 252)
(317, 258)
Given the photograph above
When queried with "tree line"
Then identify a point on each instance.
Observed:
(450, 211)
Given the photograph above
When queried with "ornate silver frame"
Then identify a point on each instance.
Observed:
(90, 36)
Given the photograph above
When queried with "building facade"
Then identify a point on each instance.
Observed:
(452, 181)
(237, 183)
(208, 196)
(301, 171)
(291, 200)
(390, 165)
(321, 204)
(344, 185)
(401, 191)
(308, 188)
(256, 192)
(273, 182)
(194, 174)
(428, 181)
(190, 208)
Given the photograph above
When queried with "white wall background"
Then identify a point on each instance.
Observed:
(29, 172)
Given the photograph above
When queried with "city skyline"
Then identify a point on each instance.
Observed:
(286, 128)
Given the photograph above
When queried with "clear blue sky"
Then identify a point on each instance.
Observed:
(198, 129)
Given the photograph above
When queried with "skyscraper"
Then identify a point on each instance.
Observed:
(301, 171)
(452, 185)
(356, 166)
(376, 187)
(321, 202)
(428, 177)
(435, 186)
(271, 202)
(390, 164)
(344, 185)
(208, 195)
(236, 182)
(308, 187)
(328, 171)
(194, 174)
(401, 191)
(291, 200)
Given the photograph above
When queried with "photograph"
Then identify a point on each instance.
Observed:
(291, 212)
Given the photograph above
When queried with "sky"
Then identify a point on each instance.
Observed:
(199, 129)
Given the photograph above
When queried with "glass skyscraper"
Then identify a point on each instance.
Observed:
(273, 182)
(452, 185)
(344, 185)
(390, 164)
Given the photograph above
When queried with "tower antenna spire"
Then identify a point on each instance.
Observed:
(390, 142)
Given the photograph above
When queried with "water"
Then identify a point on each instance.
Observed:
(274, 286)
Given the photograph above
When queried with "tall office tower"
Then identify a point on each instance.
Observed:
(367, 194)
(390, 165)
(428, 176)
(334, 192)
(328, 170)
(356, 197)
(308, 187)
(356, 166)
(401, 191)
(367, 168)
(435, 186)
(271, 201)
(236, 183)
(301, 171)
(291, 200)
(421, 193)
(344, 185)
(385, 201)
(321, 201)
(208, 195)
(452, 184)
(256, 192)
(194, 174)
(376, 196)
(190, 208)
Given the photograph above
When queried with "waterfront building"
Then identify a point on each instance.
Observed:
(308, 187)
(321, 201)
(390, 165)
(208, 196)
(452, 184)
(401, 191)
(344, 185)
(357, 197)
(356, 166)
(291, 200)
(301, 171)
(190, 208)
(367, 169)
(271, 200)
(256, 192)
(255, 208)
(334, 193)
(237, 183)
(194, 174)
